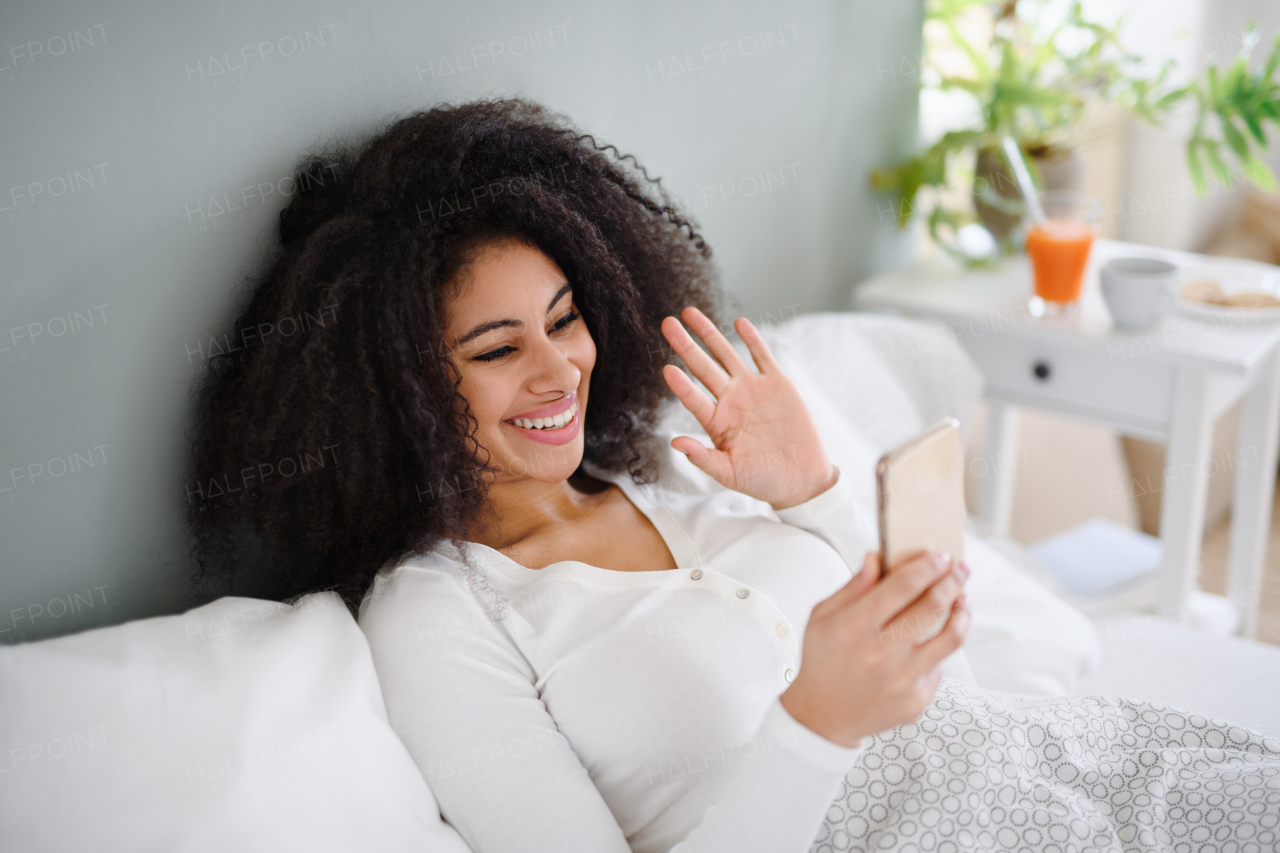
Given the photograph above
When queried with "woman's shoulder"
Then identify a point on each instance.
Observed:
(423, 619)
(441, 582)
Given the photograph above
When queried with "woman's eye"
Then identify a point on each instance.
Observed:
(493, 354)
(565, 320)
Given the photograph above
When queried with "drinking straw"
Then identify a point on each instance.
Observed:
(1013, 154)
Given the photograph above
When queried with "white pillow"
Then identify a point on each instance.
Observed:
(240, 725)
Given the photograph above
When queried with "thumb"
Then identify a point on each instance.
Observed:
(714, 463)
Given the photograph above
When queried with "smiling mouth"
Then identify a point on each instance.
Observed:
(551, 424)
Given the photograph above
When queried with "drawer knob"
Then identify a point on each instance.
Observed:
(1041, 370)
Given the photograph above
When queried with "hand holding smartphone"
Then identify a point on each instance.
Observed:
(920, 485)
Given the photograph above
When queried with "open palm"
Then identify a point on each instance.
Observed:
(766, 444)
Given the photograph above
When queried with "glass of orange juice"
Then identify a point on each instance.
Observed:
(1059, 249)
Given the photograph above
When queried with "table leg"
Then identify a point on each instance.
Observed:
(1255, 469)
(995, 487)
(1186, 478)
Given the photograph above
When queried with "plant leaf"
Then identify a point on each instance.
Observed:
(1172, 98)
(1273, 58)
(1235, 78)
(1211, 80)
(1193, 165)
(1254, 128)
(1220, 169)
(1234, 138)
(1261, 175)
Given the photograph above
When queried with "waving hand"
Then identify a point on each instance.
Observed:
(766, 444)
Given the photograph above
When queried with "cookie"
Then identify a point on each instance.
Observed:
(1204, 290)
(1252, 300)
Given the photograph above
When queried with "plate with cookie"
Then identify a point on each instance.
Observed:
(1236, 293)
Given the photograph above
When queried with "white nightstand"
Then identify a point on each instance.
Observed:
(1167, 384)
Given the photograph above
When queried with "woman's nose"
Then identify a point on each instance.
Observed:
(555, 372)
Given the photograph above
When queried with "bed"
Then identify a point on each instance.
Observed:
(252, 724)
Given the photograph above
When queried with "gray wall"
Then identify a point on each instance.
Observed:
(144, 149)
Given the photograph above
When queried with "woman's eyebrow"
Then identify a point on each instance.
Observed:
(486, 327)
(498, 324)
(564, 288)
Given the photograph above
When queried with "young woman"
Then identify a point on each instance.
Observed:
(579, 654)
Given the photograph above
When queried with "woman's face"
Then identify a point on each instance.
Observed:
(515, 334)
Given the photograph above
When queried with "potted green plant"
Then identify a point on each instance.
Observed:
(1034, 82)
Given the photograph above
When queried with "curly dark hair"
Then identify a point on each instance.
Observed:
(330, 441)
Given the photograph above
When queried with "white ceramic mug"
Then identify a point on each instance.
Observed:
(1139, 292)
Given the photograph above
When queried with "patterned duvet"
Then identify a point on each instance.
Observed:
(984, 772)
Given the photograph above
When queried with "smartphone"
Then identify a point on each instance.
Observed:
(920, 486)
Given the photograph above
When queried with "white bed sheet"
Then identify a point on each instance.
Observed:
(1226, 677)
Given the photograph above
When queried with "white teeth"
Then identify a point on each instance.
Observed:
(555, 422)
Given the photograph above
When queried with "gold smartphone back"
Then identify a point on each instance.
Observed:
(921, 495)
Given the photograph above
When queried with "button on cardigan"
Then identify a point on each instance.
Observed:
(575, 708)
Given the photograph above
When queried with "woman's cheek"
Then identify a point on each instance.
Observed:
(482, 398)
(587, 358)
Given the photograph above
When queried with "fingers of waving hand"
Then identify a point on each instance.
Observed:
(756, 346)
(690, 396)
(703, 366)
(716, 342)
(714, 461)
(727, 364)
